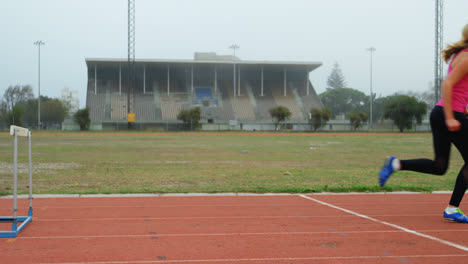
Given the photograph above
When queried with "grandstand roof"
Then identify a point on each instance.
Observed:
(310, 66)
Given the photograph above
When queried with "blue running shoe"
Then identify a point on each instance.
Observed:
(458, 217)
(386, 170)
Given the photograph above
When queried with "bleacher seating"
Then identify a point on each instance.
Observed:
(225, 107)
(309, 101)
(111, 105)
(96, 105)
(244, 110)
(118, 107)
(145, 109)
(265, 102)
(171, 104)
(288, 101)
(170, 110)
(204, 94)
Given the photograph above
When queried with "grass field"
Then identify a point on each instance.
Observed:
(86, 163)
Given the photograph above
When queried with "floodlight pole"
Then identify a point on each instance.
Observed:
(234, 47)
(131, 60)
(439, 36)
(39, 43)
(371, 50)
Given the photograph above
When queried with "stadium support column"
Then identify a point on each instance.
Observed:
(95, 79)
(144, 79)
(235, 100)
(284, 84)
(261, 77)
(191, 79)
(238, 81)
(120, 79)
(307, 81)
(216, 79)
(168, 79)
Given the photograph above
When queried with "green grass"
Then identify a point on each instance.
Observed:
(229, 162)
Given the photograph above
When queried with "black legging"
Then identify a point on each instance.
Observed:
(442, 139)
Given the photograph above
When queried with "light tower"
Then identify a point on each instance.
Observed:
(439, 35)
(131, 59)
(371, 50)
(234, 47)
(39, 43)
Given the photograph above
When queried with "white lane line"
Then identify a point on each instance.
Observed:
(216, 217)
(139, 206)
(262, 259)
(202, 234)
(228, 234)
(179, 218)
(152, 195)
(445, 242)
(142, 206)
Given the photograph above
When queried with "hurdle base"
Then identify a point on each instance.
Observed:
(15, 231)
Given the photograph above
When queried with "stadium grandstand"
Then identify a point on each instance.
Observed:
(162, 88)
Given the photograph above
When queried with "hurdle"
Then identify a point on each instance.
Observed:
(17, 131)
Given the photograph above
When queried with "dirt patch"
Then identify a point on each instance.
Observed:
(37, 168)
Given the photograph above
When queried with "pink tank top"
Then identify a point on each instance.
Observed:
(459, 91)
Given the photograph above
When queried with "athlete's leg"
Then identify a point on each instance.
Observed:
(460, 140)
(441, 143)
(460, 187)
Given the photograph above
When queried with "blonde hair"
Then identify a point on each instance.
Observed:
(457, 46)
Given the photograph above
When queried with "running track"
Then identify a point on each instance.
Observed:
(244, 229)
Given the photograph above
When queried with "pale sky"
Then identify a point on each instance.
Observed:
(402, 32)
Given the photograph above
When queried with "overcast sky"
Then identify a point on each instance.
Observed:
(327, 31)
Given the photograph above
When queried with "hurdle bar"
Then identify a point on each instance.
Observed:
(17, 131)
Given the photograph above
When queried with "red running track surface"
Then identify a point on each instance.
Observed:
(342, 228)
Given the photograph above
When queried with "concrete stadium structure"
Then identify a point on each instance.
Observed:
(164, 87)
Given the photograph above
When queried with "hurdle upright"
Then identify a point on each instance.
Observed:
(15, 230)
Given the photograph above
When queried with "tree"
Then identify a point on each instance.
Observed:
(30, 111)
(190, 118)
(403, 110)
(336, 78)
(344, 100)
(279, 115)
(319, 117)
(424, 96)
(17, 94)
(82, 118)
(12, 107)
(378, 106)
(357, 118)
(53, 111)
(14, 117)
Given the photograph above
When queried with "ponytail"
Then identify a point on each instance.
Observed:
(453, 49)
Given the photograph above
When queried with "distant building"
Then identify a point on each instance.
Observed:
(72, 98)
(162, 88)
